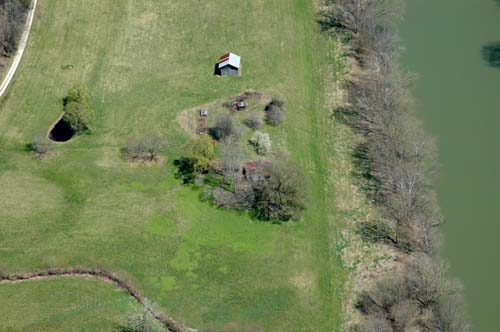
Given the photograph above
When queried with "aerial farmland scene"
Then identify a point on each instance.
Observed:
(249, 165)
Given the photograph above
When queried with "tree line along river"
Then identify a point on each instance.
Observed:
(454, 46)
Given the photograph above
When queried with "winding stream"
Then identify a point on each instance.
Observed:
(455, 47)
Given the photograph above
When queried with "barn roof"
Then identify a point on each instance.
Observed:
(230, 59)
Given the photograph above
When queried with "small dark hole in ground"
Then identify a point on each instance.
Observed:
(62, 132)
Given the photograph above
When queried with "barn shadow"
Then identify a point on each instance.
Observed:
(491, 53)
(217, 70)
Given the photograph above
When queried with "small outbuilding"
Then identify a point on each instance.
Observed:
(229, 64)
(256, 171)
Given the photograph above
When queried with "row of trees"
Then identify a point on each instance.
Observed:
(398, 160)
(12, 19)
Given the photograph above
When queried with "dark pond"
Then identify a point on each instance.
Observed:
(61, 132)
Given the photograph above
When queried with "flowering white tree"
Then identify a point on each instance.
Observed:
(261, 142)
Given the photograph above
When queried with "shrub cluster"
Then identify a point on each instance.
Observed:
(12, 20)
(272, 191)
(399, 159)
(279, 196)
(77, 111)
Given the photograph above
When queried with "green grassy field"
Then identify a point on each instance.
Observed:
(64, 304)
(145, 62)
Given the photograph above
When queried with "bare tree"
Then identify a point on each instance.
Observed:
(427, 281)
(140, 320)
(145, 148)
(40, 144)
(232, 157)
(282, 196)
(12, 19)
(450, 315)
(254, 121)
(223, 129)
(275, 111)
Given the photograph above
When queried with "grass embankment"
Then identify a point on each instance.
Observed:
(145, 62)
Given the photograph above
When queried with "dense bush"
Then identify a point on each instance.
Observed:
(40, 144)
(275, 111)
(202, 152)
(12, 22)
(78, 113)
(196, 164)
(145, 148)
(78, 117)
(261, 143)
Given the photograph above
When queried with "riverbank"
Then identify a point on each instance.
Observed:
(396, 160)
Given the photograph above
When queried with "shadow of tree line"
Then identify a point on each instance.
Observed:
(491, 53)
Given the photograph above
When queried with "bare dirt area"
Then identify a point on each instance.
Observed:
(194, 123)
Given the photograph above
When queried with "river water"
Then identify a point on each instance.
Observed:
(454, 45)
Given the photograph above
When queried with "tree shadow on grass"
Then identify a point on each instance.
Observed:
(185, 169)
(491, 53)
(368, 183)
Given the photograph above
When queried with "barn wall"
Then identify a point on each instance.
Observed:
(229, 71)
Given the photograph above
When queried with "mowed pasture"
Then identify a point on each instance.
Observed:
(65, 304)
(144, 63)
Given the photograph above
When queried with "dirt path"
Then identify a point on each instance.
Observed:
(20, 50)
(169, 323)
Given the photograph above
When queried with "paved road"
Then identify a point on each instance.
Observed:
(20, 50)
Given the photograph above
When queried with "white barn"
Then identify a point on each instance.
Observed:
(229, 65)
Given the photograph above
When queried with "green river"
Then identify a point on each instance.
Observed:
(454, 46)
